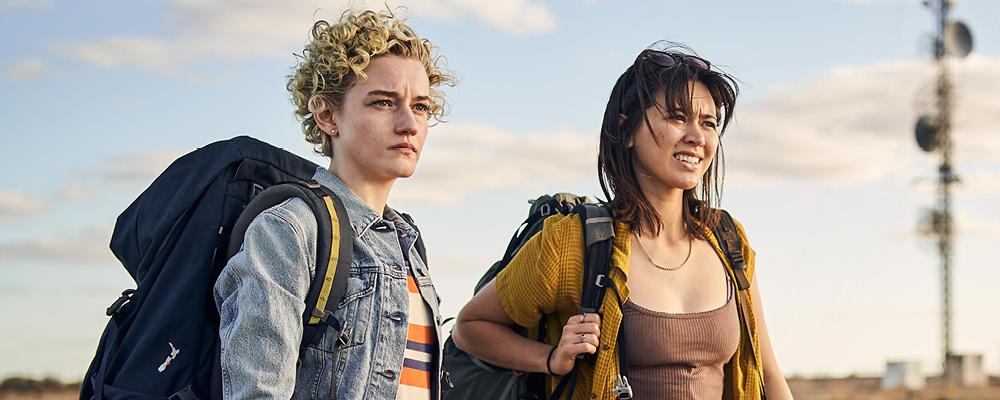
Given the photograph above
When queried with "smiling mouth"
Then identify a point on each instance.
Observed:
(687, 159)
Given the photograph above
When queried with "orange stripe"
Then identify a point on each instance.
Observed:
(411, 284)
(415, 377)
(421, 334)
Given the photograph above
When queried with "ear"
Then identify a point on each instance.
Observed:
(326, 120)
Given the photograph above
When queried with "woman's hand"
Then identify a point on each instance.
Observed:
(580, 335)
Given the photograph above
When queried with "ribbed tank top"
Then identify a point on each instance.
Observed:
(679, 356)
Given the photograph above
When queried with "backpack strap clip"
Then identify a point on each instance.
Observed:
(327, 318)
(622, 388)
(731, 244)
(117, 305)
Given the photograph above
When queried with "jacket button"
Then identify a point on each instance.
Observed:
(605, 347)
(593, 395)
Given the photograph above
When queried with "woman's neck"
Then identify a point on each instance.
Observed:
(374, 193)
(669, 204)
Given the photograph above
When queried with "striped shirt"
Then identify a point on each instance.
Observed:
(421, 344)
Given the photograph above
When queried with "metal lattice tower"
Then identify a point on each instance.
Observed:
(942, 218)
(952, 38)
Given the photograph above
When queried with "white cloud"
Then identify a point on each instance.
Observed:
(89, 245)
(8, 4)
(16, 205)
(253, 28)
(854, 125)
(135, 167)
(520, 17)
(979, 181)
(460, 159)
(850, 126)
(974, 225)
(164, 55)
(23, 69)
(76, 193)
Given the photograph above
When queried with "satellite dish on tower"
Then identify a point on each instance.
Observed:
(957, 39)
(927, 133)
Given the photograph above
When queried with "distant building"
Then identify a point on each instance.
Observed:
(903, 374)
(966, 370)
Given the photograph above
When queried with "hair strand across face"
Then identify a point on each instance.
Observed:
(634, 93)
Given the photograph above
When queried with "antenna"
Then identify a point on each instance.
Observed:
(933, 134)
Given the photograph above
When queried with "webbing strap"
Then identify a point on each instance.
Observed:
(567, 384)
(732, 245)
(753, 347)
(598, 230)
(332, 263)
(729, 240)
(622, 388)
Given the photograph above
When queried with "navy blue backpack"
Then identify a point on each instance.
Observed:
(162, 341)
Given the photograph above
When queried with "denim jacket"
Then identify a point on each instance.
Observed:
(261, 297)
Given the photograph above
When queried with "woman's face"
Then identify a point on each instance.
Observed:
(678, 151)
(381, 127)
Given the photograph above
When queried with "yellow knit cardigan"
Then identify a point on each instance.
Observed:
(545, 278)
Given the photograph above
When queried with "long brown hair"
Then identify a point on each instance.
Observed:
(632, 95)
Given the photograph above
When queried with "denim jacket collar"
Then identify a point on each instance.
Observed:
(362, 216)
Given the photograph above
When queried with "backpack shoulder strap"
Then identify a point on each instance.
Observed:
(598, 230)
(334, 247)
(731, 243)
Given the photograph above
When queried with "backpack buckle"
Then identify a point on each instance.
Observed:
(117, 305)
(326, 317)
(622, 388)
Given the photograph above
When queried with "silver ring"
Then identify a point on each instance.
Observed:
(583, 336)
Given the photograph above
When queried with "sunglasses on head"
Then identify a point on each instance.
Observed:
(667, 60)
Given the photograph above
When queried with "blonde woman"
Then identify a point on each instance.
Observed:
(365, 89)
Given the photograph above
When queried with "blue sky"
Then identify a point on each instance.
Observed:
(98, 97)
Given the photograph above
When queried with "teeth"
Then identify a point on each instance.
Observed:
(687, 158)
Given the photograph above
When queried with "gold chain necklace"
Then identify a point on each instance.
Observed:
(690, 245)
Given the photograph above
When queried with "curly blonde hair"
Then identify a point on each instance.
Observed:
(336, 55)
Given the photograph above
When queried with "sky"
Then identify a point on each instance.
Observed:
(822, 167)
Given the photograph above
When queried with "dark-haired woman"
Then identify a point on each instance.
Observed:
(660, 167)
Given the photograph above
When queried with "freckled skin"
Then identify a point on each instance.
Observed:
(695, 135)
(383, 123)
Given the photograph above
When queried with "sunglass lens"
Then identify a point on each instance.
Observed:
(662, 59)
(697, 62)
